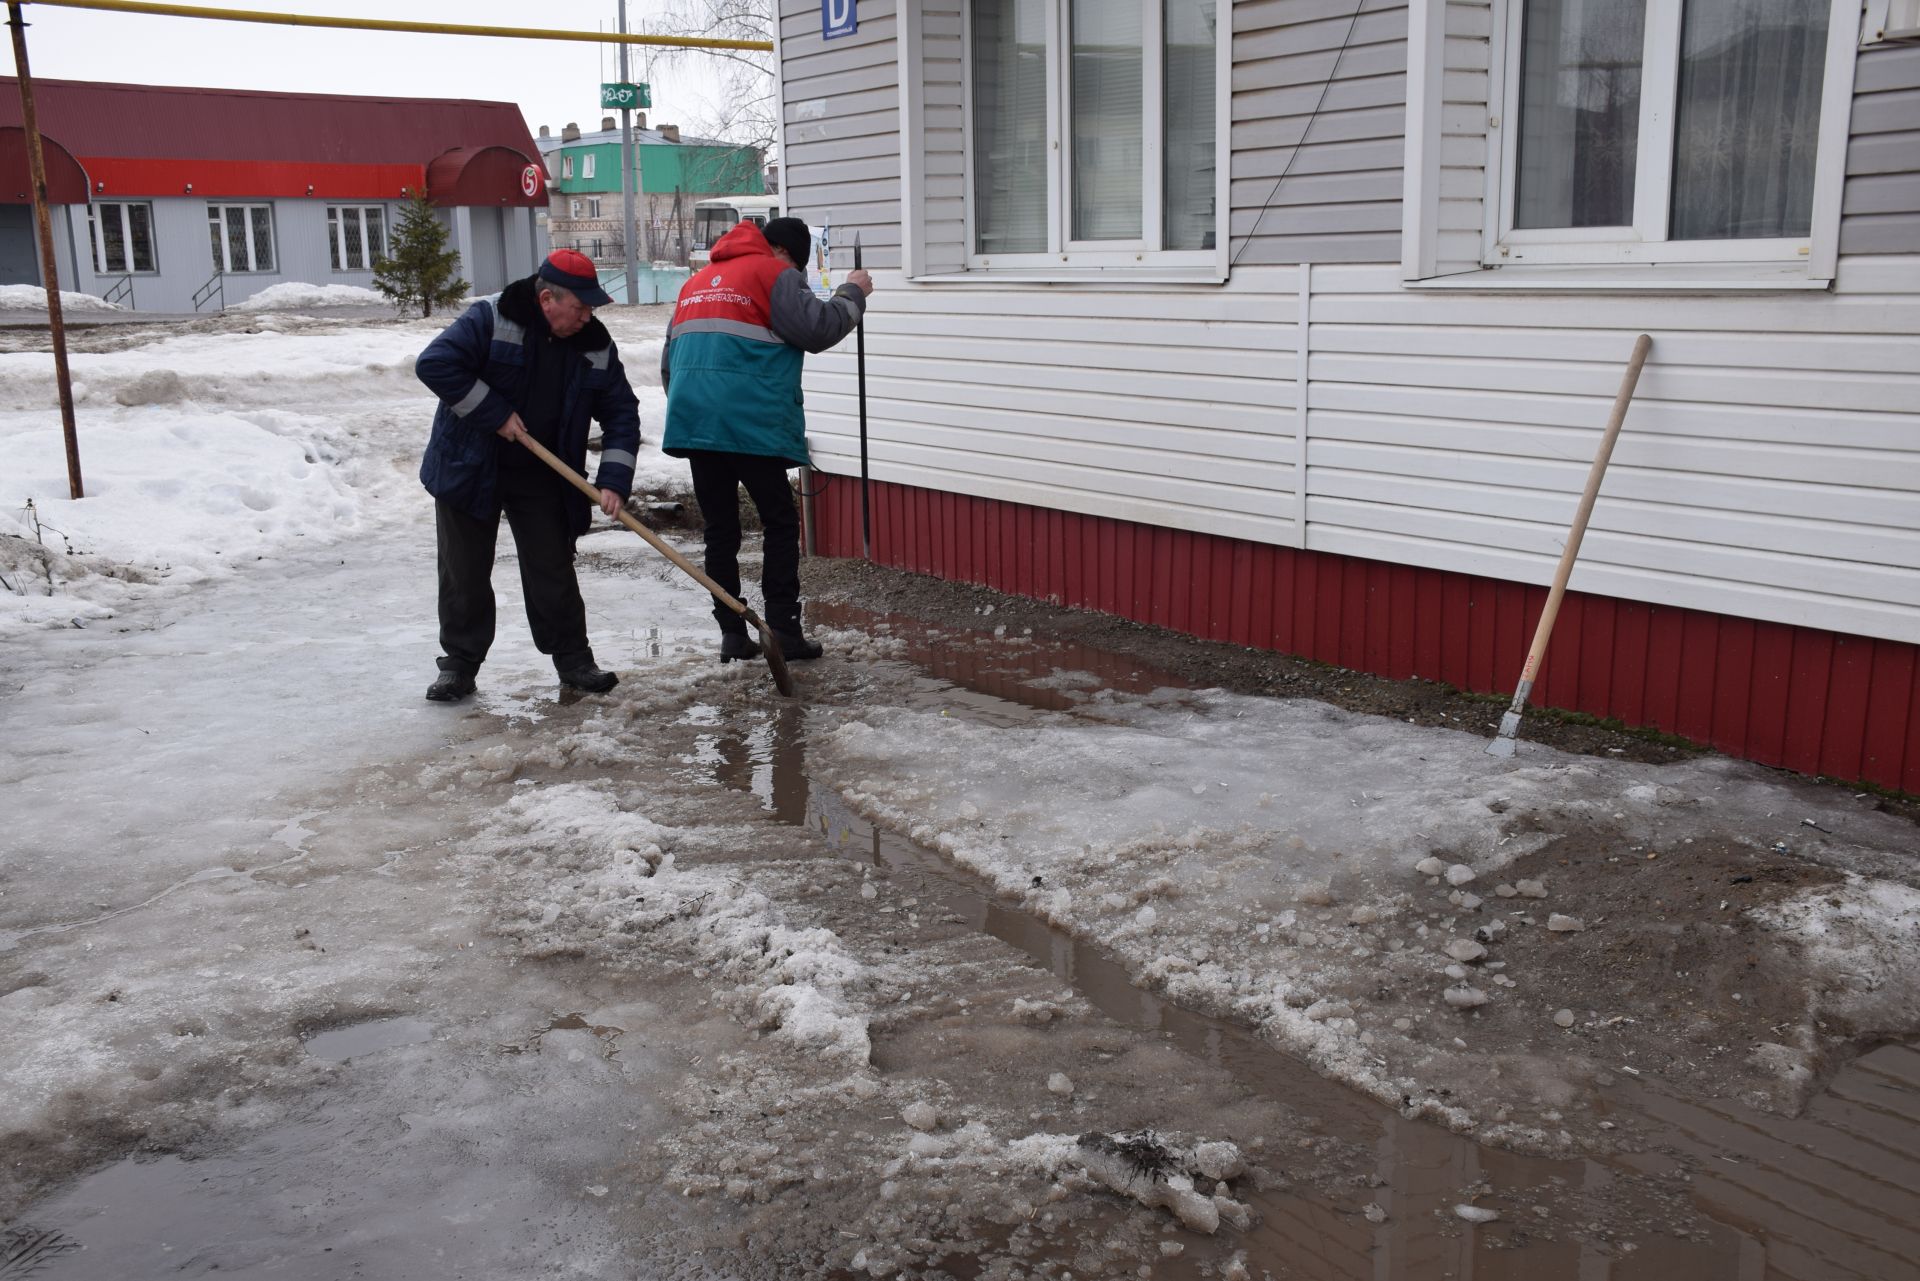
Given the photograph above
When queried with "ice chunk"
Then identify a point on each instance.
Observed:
(1463, 996)
(1459, 874)
(1531, 889)
(921, 1116)
(1430, 866)
(1563, 1017)
(1060, 1083)
(1476, 1213)
(1464, 950)
(1562, 924)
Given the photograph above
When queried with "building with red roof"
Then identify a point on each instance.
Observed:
(178, 199)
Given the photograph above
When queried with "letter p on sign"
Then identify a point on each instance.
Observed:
(838, 18)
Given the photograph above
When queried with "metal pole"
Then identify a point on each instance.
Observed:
(860, 366)
(627, 176)
(49, 264)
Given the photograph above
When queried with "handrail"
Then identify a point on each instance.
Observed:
(122, 288)
(217, 285)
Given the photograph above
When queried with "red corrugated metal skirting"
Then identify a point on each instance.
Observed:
(1815, 701)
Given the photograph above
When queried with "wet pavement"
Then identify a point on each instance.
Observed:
(1728, 1192)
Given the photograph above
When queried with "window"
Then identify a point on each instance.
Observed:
(122, 236)
(566, 166)
(1094, 133)
(593, 205)
(1663, 130)
(586, 165)
(356, 236)
(573, 207)
(242, 237)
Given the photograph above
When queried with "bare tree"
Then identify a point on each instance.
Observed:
(746, 112)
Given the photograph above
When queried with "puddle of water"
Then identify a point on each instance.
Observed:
(355, 1040)
(1834, 1194)
(607, 1035)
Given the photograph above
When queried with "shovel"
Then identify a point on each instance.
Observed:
(769, 645)
(1503, 742)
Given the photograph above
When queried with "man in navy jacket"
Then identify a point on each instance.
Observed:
(532, 363)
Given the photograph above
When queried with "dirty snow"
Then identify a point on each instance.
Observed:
(32, 298)
(294, 294)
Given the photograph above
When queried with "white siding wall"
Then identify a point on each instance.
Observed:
(841, 108)
(1882, 210)
(1770, 469)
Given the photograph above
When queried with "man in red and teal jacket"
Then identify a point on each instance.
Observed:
(731, 367)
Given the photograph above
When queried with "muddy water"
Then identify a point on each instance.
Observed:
(1726, 1193)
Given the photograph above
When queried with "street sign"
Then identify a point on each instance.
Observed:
(838, 18)
(626, 95)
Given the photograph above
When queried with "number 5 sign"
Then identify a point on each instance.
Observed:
(837, 18)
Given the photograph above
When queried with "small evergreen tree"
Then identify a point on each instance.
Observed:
(419, 270)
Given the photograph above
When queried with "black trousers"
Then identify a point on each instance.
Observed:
(717, 478)
(535, 506)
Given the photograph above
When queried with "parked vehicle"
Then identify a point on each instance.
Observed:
(713, 219)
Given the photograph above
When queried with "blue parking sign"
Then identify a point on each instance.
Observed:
(837, 18)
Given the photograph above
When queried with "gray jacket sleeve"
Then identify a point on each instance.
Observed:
(802, 319)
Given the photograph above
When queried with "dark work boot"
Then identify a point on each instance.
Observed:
(796, 648)
(737, 647)
(585, 675)
(450, 686)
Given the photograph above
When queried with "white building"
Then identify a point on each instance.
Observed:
(1295, 323)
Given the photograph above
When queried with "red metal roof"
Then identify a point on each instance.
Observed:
(178, 122)
(158, 139)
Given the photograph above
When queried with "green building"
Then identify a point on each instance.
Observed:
(675, 173)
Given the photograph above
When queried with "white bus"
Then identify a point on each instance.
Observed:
(713, 219)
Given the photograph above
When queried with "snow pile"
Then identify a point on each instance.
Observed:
(1860, 938)
(296, 294)
(33, 298)
(591, 873)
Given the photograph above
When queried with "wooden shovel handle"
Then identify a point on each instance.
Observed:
(769, 643)
(1578, 531)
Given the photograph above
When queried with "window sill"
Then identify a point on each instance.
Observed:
(1621, 278)
(1121, 276)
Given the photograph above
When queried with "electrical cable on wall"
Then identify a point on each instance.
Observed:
(1353, 22)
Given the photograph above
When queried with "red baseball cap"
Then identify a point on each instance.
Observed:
(574, 271)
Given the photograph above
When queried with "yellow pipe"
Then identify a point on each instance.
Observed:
(385, 24)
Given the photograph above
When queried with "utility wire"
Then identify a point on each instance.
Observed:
(1352, 22)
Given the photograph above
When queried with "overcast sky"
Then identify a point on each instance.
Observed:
(553, 81)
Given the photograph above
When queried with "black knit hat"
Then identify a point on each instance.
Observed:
(791, 234)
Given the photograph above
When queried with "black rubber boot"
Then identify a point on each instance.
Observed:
(737, 647)
(588, 678)
(450, 686)
(796, 648)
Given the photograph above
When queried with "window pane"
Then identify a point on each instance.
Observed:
(262, 238)
(1189, 142)
(355, 243)
(376, 235)
(219, 246)
(333, 238)
(236, 238)
(113, 239)
(140, 237)
(1579, 112)
(1010, 126)
(1107, 131)
(1748, 118)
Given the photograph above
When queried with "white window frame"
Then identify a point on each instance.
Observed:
(221, 264)
(1596, 256)
(100, 264)
(586, 165)
(573, 207)
(336, 226)
(566, 165)
(1082, 259)
(593, 205)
